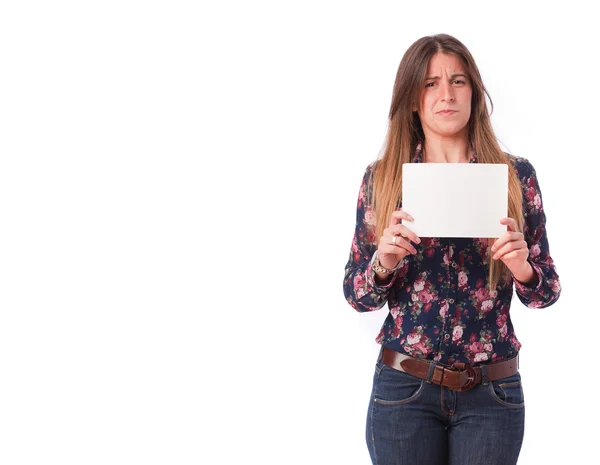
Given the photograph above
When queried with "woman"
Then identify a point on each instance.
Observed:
(446, 387)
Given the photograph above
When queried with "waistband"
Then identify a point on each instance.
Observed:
(458, 377)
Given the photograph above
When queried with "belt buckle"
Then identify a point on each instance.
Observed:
(461, 368)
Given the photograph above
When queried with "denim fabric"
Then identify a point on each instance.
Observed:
(411, 421)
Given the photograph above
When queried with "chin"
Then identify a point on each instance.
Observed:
(450, 131)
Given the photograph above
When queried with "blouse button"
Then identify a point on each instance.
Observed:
(451, 301)
(454, 265)
(446, 337)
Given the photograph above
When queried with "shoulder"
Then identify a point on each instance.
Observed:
(522, 166)
(369, 174)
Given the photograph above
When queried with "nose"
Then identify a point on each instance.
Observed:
(447, 93)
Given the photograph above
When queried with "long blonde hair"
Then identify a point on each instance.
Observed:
(405, 132)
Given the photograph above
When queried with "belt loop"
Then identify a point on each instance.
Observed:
(484, 376)
(432, 366)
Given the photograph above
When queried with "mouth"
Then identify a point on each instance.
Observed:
(446, 112)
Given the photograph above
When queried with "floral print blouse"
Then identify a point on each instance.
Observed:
(440, 304)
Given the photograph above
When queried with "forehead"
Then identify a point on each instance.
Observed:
(445, 63)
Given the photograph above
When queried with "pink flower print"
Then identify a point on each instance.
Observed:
(488, 347)
(493, 294)
(444, 309)
(425, 297)
(457, 333)
(419, 285)
(462, 279)
(537, 201)
(535, 251)
(426, 241)
(503, 331)
(530, 194)
(555, 285)
(413, 338)
(420, 347)
(361, 194)
(414, 297)
(438, 357)
(487, 306)
(448, 255)
(476, 347)
(514, 342)
(482, 294)
(398, 321)
(481, 357)
(370, 217)
(501, 320)
(359, 284)
(371, 235)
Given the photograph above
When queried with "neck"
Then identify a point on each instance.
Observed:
(441, 150)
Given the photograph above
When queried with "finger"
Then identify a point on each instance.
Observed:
(510, 247)
(398, 216)
(401, 230)
(404, 244)
(511, 223)
(512, 255)
(401, 243)
(391, 251)
(506, 238)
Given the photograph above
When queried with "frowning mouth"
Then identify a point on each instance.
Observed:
(446, 112)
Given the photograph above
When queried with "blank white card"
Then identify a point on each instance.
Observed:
(455, 199)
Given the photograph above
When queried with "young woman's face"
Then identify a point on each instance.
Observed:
(446, 87)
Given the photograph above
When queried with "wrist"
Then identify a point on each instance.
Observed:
(526, 275)
(381, 270)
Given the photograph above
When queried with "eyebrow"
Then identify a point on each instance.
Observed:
(451, 77)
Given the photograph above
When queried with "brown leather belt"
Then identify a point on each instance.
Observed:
(459, 377)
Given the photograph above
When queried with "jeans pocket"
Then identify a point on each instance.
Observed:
(394, 387)
(508, 391)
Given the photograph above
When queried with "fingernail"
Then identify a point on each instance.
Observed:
(418, 240)
(493, 248)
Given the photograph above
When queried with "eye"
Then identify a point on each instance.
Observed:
(430, 84)
(459, 81)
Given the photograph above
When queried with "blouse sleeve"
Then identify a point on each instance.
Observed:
(546, 290)
(360, 289)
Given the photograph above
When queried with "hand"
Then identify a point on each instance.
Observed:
(512, 249)
(391, 253)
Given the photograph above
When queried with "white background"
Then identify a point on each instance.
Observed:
(178, 185)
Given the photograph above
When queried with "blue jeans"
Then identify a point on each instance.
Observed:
(411, 421)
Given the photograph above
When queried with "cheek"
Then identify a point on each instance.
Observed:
(427, 105)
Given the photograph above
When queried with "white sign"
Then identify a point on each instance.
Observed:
(455, 199)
